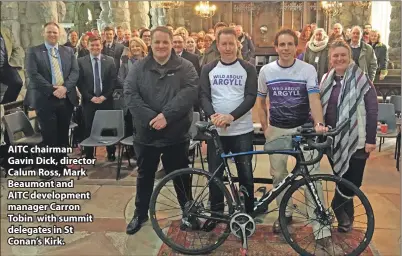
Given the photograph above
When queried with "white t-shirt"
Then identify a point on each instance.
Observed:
(228, 84)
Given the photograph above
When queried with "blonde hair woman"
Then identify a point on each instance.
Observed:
(347, 93)
(182, 31)
(136, 50)
(82, 46)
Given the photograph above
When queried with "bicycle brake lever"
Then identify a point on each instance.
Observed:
(244, 191)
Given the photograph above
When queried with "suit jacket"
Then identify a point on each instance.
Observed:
(86, 79)
(15, 56)
(193, 59)
(38, 67)
(116, 54)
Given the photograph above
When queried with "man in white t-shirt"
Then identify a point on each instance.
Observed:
(228, 93)
(288, 91)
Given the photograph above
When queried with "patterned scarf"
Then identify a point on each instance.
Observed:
(354, 87)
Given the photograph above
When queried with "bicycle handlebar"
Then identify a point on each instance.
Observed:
(310, 132)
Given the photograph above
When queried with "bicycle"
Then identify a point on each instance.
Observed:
(241, 225)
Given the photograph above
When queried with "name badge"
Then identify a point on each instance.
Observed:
(170, 74)
(316, 59)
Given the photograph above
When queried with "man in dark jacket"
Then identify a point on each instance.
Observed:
(160, 91)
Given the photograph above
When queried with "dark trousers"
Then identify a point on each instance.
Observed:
(89, 110)
(129, 130)
(174, 157)
(234, 144)
(54, 121)
(355, 171)
(10, 77)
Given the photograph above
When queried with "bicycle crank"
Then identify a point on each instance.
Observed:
(242, 225)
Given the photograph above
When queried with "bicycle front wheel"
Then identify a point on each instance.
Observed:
(343, 226)
(180, 208)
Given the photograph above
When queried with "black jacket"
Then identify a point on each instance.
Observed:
(115, 52)
(171, 89)
(193, 59)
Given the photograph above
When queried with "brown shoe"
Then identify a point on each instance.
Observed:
(276, 228)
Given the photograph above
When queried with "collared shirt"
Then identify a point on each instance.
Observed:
(57, 55)
(93, 69)
(355, 45)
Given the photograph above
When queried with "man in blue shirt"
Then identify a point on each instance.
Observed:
(53, 72)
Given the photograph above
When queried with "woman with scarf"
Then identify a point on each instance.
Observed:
(137, 50)
(348, 94)
(317, 52)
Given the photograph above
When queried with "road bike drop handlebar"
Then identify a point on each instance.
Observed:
(308, 133)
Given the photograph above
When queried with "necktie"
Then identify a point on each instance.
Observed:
(59, 80)
(98, 90)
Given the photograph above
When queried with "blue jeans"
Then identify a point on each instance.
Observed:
(234, 144)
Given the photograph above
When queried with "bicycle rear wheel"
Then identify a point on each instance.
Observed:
(179, 224)
(326, 236)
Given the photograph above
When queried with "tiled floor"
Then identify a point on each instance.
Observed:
(112, 205)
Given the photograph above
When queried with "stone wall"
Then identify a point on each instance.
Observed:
(352, 15)
(139, 14)
(394, 41)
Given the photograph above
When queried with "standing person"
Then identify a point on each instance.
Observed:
(178, 46)
(11, 65)
(381, 53)
(343, 88)
(112, 48)
(145, 35)
(363, 54)
(53, 73)
(288, 91)
(72, 40)
(247, 49)
(160, 91)
(82, 47)
(137, 51)
(317, 52)
(96, 84)
(228, 93)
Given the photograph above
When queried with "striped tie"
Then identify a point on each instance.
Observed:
(58, 77)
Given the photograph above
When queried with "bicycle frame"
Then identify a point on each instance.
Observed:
(299, 170)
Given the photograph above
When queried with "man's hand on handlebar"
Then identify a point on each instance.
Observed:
(320, 128)
(222, 120)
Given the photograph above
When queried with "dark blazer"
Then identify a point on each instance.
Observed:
(86, 79)
(115, 52)
(193, 59)
(40, 88)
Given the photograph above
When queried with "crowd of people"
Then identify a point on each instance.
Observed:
(168, 73)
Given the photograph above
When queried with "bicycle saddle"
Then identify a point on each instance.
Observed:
(202, 126)
(281, 143)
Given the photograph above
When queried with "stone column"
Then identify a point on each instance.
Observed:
(119, 14)
(104, 20)
(394, 40)
(157, 15)
(139, 14)
(33, 15)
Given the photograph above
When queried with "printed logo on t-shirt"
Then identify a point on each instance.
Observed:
(228, 80)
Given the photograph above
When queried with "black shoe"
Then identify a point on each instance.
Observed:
(111, 158)
(135, 224)
(276, 228)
